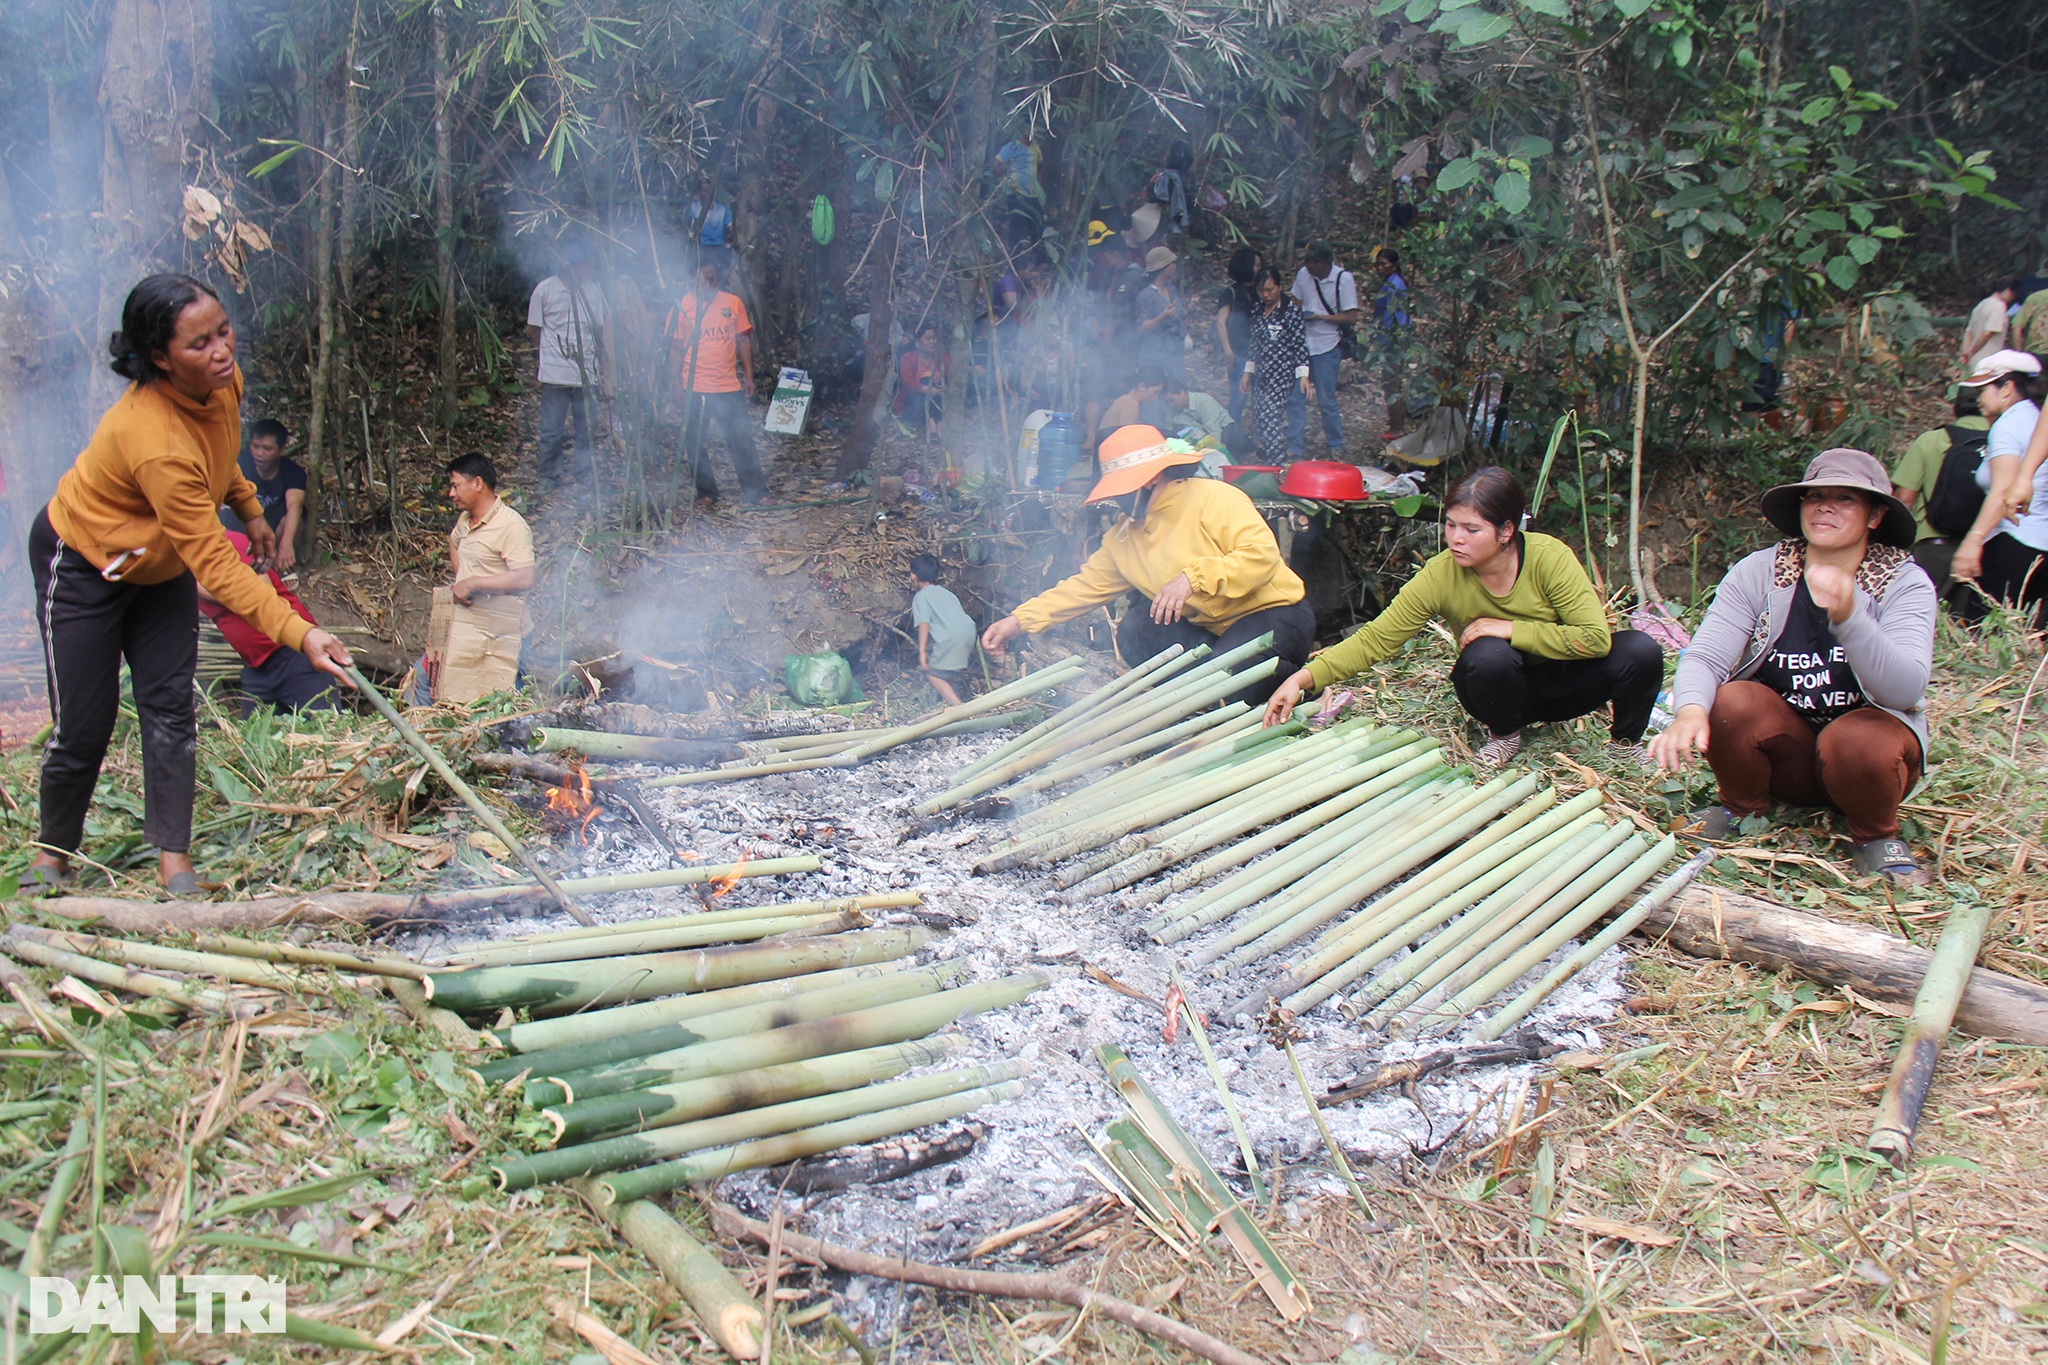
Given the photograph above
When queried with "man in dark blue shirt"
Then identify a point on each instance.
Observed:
(280, 486)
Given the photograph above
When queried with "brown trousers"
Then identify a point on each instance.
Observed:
(1862, 763)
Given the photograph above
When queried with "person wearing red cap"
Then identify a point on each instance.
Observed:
(1199, 561)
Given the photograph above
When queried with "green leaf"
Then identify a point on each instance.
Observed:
(291, 1197)
(330, 1055)
(328, 1334)
(1840, 77)
(1631, 8)
(1408, 506)
(1681, 49)
(1818, 109)
(1418, 10)
(1511, 191)
(1456, 175)
(1693, 240)
(1843, 272)
(443, 1072)
(1961, 1163)
(1554, 9)
(1864, 249)
(1826, 220)
(1481, 28)
(230, 787)
(1531, 148)
(295, 1251)
(271, 163)
(129, 1248)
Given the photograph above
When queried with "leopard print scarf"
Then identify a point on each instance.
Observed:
(1880, 568)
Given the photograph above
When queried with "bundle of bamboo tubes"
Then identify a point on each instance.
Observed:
(1351, 856)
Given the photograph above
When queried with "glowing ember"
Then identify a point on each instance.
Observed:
(721, 885)
(572, 803)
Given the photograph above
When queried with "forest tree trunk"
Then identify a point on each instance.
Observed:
(750, 198)
(970, 262)
(859, 449)
(319, 441)
(444, 217)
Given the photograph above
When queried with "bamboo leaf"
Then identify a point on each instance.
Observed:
(311, 1192)
(295, 1251)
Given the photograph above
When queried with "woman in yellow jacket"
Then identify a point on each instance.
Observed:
(1533, 639)
(1200, 563)
(115, 554)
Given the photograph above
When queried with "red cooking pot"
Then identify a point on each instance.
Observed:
(1324, 481)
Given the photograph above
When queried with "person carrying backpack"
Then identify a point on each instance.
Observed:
(1937, 479)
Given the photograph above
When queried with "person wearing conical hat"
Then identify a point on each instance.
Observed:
(1198, 561)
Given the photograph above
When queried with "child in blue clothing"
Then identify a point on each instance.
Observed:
(945, 632)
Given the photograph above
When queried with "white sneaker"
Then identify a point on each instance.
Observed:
(1498, 752)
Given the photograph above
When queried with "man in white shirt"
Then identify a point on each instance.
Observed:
(1986, 331)
(570, 324)
(1328, 294)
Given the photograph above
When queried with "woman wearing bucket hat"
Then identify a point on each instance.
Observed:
(2003, 550)
(1807, 681)
(1201, 563)
(1162, 331)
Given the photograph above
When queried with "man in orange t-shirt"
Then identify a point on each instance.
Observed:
(711, 355)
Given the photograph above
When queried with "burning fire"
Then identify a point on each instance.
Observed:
(721, 885)
(573, 803)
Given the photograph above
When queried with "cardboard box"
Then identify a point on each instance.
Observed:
(791, 406)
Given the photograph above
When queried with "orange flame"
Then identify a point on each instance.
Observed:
(573, 802)
(721, 885)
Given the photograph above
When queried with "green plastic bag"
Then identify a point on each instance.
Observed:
(821, 679)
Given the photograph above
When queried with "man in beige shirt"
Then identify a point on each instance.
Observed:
(491, 551)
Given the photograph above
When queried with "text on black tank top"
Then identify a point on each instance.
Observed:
(1807, 668)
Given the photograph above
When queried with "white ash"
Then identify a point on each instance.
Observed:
(1033, 1161)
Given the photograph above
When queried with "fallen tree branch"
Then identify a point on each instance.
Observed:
(876, 1165)
(1521, 1046)
(1712, 923)
(730, 1222)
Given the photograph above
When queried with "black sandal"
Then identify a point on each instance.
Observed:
(1889, 858)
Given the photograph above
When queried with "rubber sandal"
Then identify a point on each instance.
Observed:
(1889, 858)
(1498, 752)
(1712, 822)
(43, 880)
(185, 886)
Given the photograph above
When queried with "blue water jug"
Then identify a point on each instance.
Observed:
(1059, 448)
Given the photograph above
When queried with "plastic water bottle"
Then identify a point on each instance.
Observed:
(1059, 448)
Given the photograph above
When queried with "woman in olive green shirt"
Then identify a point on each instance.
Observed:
(1533, 640)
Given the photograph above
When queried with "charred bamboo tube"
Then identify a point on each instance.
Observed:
(714, 1294)
(340, 959)
(480, 897)
(602, 744)
(1934, 1010)
(1417, 784)
(826, 1137)
(568, 1030)
(1558, 934)
(156, 957)
(738, 1022)
(484, 813)
(567, 985)
(202, 998)
(1385, 860)
(879, 901)
(1495, 900)
(1587, 953)
(1534, 912)
(1417, 754)
(1160, 665)
(664, 1144)
(876, 1027)
(662, 1106)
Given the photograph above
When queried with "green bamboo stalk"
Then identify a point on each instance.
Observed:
(1934, 1009)
(587, 1026)
(604, 745)
(649, 935)
(827, 1137)
(732, 1023)
(1071, 667)
(744, 929)
(1420, 782)
(1521, 880)
(662, 1106)
(561, 986)
(1330, 1144)
(1190, 692)
(1624, 924)
(202, 998)
(1092, 759)
(813, 746)
(714, 1294)
(35, 1257)
(664, 1144)
(883, 1024)
(1414, 756)
(473, 897)
(340, 959)
(483, 813)
(1160, 665)
(1562, 932)
(157, 957)
(1237, 1128)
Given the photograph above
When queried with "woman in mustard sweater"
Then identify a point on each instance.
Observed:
(1533, 642)
(115, 554)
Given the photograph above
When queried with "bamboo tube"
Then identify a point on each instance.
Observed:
(1413, 757)
(1160, 665)
(563, 986)
(1180, 692)
(732, 1023)
(1427, 902)
(602, 744)
(1319, 768)
(91, 969)
(773, 1151)
(1390, 858)
(478, 953)
(1528, 915)
(156, 957)
(340, 959)
(1197, 695)
(586, 1026)
(1622, 926)
(876, 1027)
(664, 1144)
(800, 745)
(714, 1294)
(481, 897)
(737, 929)
(1934, 1010)
(1414, 785)
(1495, 899)
(1558, 934)
(661, 1106)
(1466, 937)
(483, 813)
(1091, 759)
